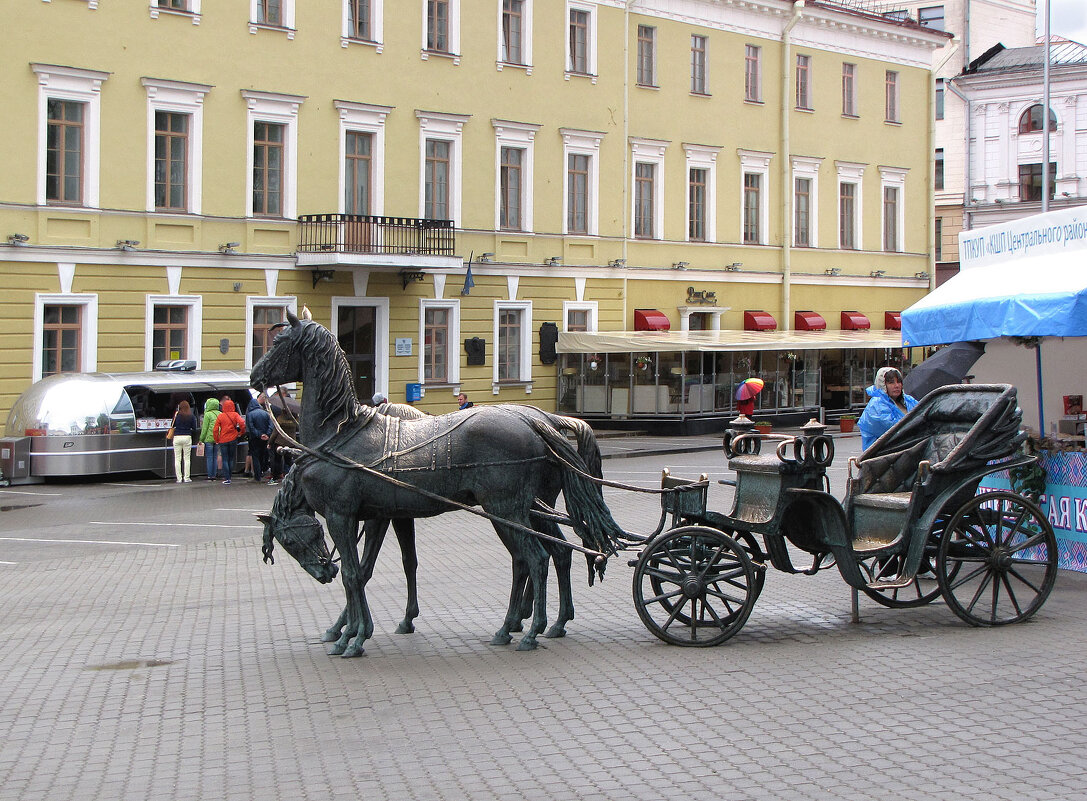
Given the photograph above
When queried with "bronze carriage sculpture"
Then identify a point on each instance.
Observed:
(912, 527)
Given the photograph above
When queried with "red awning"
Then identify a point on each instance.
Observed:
(892, 321)
(855, 321)
(759, 321)
(809, 321)
(650, 320)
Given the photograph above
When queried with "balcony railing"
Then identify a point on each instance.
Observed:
(355, 233)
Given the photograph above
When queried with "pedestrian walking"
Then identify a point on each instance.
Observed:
(258, 425)
(229, 428)
(185, 432)
(211, 411)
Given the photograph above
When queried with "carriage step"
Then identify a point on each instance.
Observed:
(896, 583)
(867, 544)
(883, 500)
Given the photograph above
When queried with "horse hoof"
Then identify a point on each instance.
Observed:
(405, 628)
(337, 649)
(330, 636)
(353, 651)
(527, 644)
(501, 639)
(555, 632)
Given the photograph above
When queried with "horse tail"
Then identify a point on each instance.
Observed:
(587, 447)
(589, 515)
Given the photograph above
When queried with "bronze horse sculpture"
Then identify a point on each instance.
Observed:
(369, 465)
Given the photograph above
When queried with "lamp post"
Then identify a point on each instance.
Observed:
(1045, 116)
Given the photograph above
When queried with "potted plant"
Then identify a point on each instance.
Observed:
(763, 426)
(848, 422)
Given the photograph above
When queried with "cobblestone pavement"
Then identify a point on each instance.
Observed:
(148, 653)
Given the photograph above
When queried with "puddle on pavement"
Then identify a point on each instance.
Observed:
(18, 506)
(132, 664)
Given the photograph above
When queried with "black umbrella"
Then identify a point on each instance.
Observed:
(946, 366)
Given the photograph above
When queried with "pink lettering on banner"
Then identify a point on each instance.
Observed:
(1081, 515)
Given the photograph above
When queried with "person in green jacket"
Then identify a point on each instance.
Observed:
(211, 453)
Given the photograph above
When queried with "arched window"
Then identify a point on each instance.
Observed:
(1032, 119)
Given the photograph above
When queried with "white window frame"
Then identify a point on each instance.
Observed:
(851, 96)
(381, 334)
(78, 86)
(195, 324)
(894, 177)
(851, 173)
(809, 84)
(522, 136)
(757, 93)
(454, 34)
(895, 107)
(591, 44)
(377, 27)
(177, 97)
(288, 18)
(701, 157)
(807, 167)
(370, 119)
(278, 109)
(88, 357)
(452, 365)
(525, 306)
(251, 302)
(652, 53)
(193, 10)
(756, 162)
(648, 151)
(447, 128)
(586, 143)
(526, 40)
(589, 306)
(705, 90)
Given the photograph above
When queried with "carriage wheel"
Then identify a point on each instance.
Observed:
(695, 586)
(997, 560)
(747, 541)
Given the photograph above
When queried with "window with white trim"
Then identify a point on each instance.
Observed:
(272, 13)
(185, 7)
(752, 73)
(699, 65)
(175, 145)
(647, 185)
(580, 158)
(701, 192)
(61, 325)
(362, 157)
(261, 313)
(515, 33)
(581, 39)
(363, 23)
(441, 27)
(272, 153)
(173, 325)
(850, 229)
(440, 160)
(805, 201)
(849, 90)
(514, 157)
(893, 186)
(361, 326)
(891, 83)
(754, 196)
(512, 341)
(439, 333)
(647, 56)
(803, 82)
(69, 135)
(579, 315)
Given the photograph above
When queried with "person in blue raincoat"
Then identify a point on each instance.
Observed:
(887, 404)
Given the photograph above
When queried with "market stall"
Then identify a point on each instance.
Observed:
(1022, 290)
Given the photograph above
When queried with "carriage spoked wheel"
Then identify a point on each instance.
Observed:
(997, 560)
(695, 586)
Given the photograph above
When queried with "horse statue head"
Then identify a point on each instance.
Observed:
(282, 363)
(292, 525)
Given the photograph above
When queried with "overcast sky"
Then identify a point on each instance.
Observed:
(1068, 18)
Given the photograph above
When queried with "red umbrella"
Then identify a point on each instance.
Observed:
(749, 388)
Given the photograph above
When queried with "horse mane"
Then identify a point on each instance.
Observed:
(333, 373)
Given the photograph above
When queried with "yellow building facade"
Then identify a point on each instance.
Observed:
(178, 172)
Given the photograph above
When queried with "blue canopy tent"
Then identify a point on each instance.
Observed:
(1027, 278)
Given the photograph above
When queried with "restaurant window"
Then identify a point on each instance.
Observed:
(699, 80)
(1030, 181)
(62, 334)
(803, 82)
(647, 56)
(752, 73)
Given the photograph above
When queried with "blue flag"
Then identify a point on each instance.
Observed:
(469, 282)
